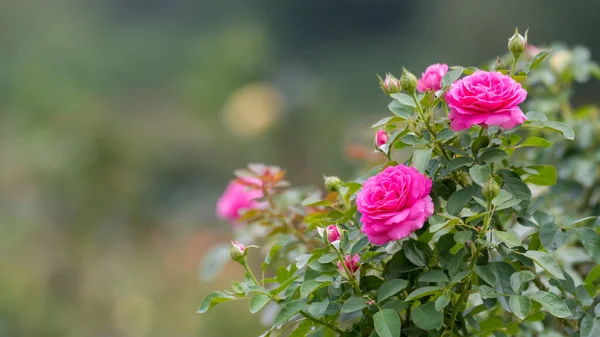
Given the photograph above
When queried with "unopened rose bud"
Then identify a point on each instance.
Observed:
(517, 44)
(351, 262)
(381, 138)
(333, 233)
(389, 85)
(238, 252)
(490, 189)
(333, 183)
(408, 81)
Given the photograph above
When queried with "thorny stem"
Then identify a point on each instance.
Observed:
(462, 299)
(350, 275)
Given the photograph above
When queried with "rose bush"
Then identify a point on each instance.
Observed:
(455, 239)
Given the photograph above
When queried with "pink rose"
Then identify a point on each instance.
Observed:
(239, 196)
(485, 98)
(394, 203)
(351, 262)
(238, 246)
(333, 234)
(432, 77)
(381, 138)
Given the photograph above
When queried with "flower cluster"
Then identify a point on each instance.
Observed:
(400, 250)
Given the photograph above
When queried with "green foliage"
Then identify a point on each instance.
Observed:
(491, 261)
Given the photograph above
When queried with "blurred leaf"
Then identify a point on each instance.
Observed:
(547, 262)
(387, 323)
(552, 236)
(213, 299)
(427, 317)
(459, 199)
(520, 306)
(441, 302)
(536, 61)
(353, 304)
(404, 99)
(551, 302)
(518, 279)
(420, 159)
(258, 302)
(546, 175)
(309, 287)
(510, 238)
(288, 311)
(303, 328)
(421, 292)
(536, 116)
(535, 142)
(493, 154)
(451, 76)
(590, 241)
(318, 309)
(480, 173)
(434, 275)
(390, 288)
(486, 274)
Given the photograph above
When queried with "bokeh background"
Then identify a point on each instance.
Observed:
(122, 120)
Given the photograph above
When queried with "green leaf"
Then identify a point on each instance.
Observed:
(353, 304)
(258, 302)
(590, 241)
(451, 76)
(420, 159)
(309, 287)
(491, 324)
(459, 199)
(458, 163)
(463, 236)
(487, 292)
(563, 128)
(480, 173)
(387, 323)
(590, 327)
(518, 279)
(360, 244)
(479, 143)
(535, 142)
(444, 135)
(493, 154)
(404, 99)
(536, 61)
(511, 239)
(441, 302)
(390, 288)
(552, 236)
(213, 299)
(547, 262)
(303, 329)
(552, 303)
(536, 116)
(288, 311)
(434, 275)
(486, 274)
(520, 306)
(318, 309)
(422, 292)
(417, 252)
(426, 317)
(399, 110)
(384, 121)
(546, 175)
(518, 188)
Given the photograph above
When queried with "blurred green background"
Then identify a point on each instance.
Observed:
(122, 120)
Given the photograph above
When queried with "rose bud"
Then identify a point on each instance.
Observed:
(517, 44)
(390, 85)
(490, 189)
(238, 252)
(408, 81)
(381, 138)
(351, 262)
(333, 233)
(333, 183)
